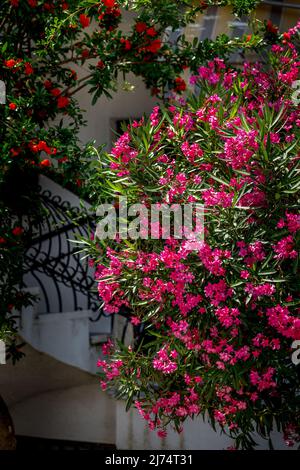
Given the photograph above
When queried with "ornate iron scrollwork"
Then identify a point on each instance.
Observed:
(53, 264)
(52, 261)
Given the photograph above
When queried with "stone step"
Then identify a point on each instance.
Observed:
(97, 339)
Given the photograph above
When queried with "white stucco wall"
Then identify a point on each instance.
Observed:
(124, 105)
(197, 435)
(81, 413)
(50, 399)
(133, 433)
(63, 336)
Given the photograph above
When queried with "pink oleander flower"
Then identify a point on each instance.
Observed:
(263, 381)
(191, 151)
(293, 222)
(285, 248)
(228, 316)
(218, 292)
(163, 363)
(220, 417)
(260, 290)
(244, 274)
(251, 253)
(279, 317)
(217, 198)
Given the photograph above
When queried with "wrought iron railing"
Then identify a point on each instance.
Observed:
(52, 261)
(53, 264)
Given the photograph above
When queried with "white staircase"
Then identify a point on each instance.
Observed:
(65, 336)
(64, 321)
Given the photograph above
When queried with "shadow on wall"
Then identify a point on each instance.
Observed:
(51, 400)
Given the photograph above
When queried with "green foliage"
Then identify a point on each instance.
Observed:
(40, 43)
(234, 148)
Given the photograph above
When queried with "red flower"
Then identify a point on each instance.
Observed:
(48, 84)
(10, 63)
(14, 3)
(45, 147)
(63, 160)
(109, 3)
(85, 53)
(84, 20)
(40, 146)
(12, 106)
(127, 44)
(73, 74)
(155, 91)
(45, 163)
(63, 102)
(271, 28)
(17, 231)
(55, 92)
(203, 4)
(140, 27)
(151, 32)
(100, 65)
(2, 240)
(64, 6)
(32, 3)
(154, 46)
(49, 7)
(14, 152)
(180, 84)
(28, 68)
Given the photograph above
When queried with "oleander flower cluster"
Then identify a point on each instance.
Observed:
(217, 322)
(49, 51)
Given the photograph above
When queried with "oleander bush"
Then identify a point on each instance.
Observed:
(44, 47)
(219, 319)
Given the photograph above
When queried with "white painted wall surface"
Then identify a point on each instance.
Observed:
(50, 399)
(63, 336)
(81, 414)
(123, 105)
(132, 433)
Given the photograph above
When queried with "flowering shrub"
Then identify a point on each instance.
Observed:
(38, 91)
(219, 320)
(41, 44)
